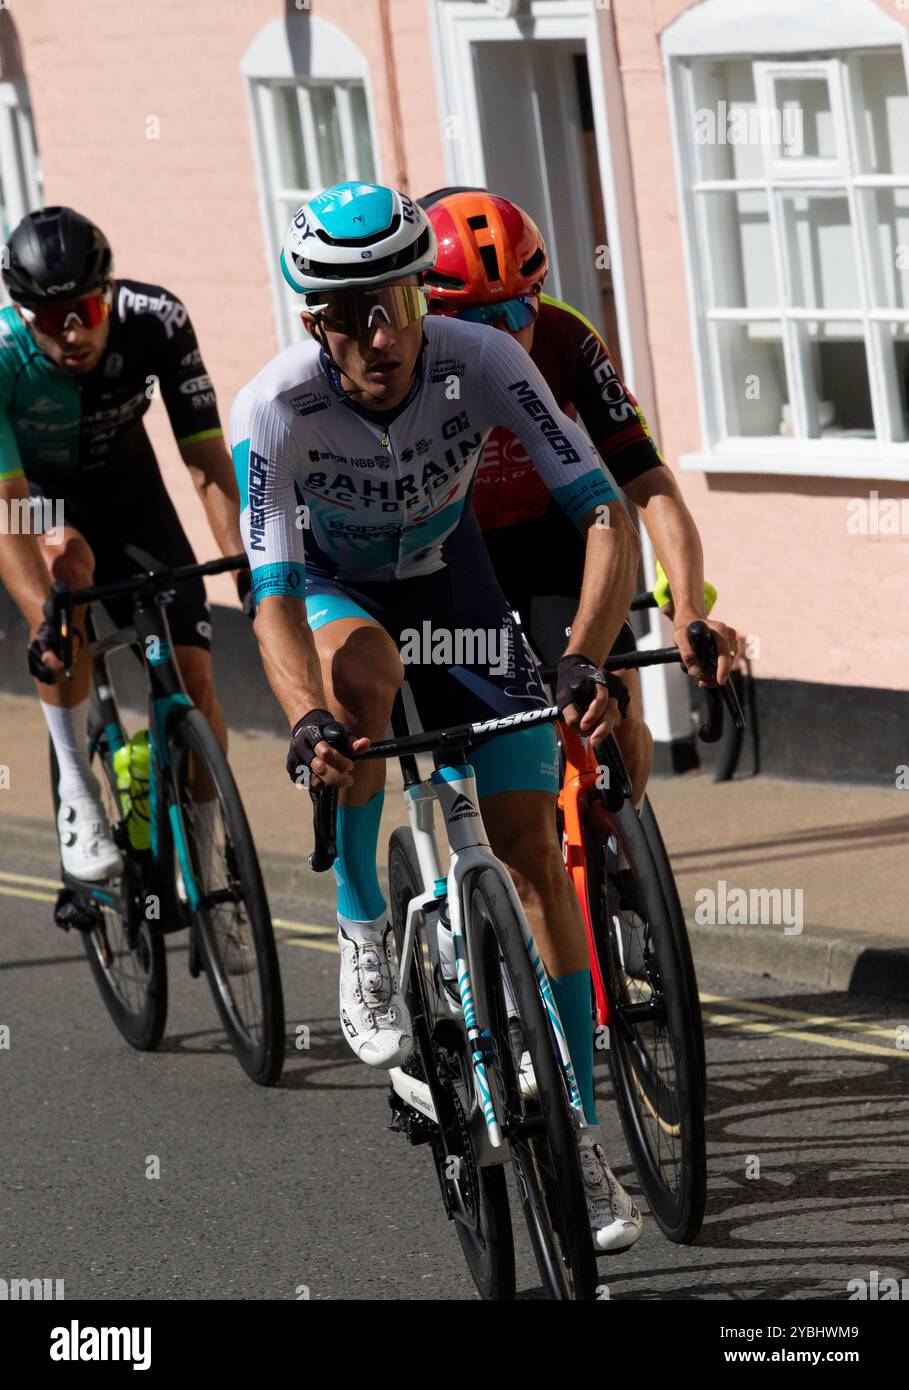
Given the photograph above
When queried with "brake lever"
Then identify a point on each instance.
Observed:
(58, 613)
(325, 807)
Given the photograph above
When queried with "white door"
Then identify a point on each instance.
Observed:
(532, 147)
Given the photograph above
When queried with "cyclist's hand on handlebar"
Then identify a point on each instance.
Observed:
(727, 648)
(599, 717)
(44, 654)
(312, 761)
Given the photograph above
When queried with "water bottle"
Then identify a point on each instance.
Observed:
(132, 764)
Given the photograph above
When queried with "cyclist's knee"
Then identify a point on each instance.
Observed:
(530, 851)
(73, 563)
(366, 674)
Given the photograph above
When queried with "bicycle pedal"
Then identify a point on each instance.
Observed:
(417, 1128)
(70, 913)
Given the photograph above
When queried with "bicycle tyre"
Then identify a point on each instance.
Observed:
(651, 828)
(143, 1021)
(488, 1245)
(261, 1054)
(546, 1164)
(653, 1103)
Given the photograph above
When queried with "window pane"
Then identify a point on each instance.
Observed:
(900, 335)
(362, 143)
(727, 135)
(740, 251)
(838, 364)
(806, 119)
(885, 119)
(328, 134)
(889, 216)
(820, 249)
(755, 387)
(291, 152)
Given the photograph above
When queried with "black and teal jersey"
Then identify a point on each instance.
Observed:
(70, 435)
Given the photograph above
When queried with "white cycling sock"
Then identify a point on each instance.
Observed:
(363, 931)
(69, 733)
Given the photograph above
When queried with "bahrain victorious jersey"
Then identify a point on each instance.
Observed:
(355, 494)
(575, 361)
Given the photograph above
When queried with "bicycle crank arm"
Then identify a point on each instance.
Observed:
(413, 1092)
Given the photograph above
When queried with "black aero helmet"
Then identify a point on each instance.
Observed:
(55, 254)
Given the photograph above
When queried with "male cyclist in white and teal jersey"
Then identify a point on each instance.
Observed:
(355, 455)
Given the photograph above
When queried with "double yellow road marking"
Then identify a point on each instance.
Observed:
(718, 1010)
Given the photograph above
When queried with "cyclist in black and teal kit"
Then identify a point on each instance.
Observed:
(81, 357)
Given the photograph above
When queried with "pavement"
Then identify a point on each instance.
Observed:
(822, 868)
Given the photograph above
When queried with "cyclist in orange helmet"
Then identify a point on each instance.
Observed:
(490, 268)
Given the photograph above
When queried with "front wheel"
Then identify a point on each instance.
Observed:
(539, 1127)
(476, 1199)
(226, 899)
(653, 1047)
(125, 949)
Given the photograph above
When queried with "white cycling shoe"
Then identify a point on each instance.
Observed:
(374, 1017)
(615, 1221)
(87, 848)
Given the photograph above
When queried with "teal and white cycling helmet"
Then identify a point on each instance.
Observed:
(356, 235)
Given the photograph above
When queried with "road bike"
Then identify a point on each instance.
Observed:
(199, 870)
(464, 1091)
(646, 1004)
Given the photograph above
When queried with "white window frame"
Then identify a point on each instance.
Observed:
(814, 38)
(332, 60)
(19, 166)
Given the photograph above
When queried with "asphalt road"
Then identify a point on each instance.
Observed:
(262, 1193)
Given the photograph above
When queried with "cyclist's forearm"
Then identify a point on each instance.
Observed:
(675, 538)
(213, 477)
(289, 656)
(22, 568)
(610, 572)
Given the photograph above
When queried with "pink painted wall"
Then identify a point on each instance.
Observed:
(821, 602)
(182, 210)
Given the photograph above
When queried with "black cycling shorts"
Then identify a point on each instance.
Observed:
(144, 516)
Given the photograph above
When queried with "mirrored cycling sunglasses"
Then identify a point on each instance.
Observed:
(511, 314)
(82, 313)
(356, 312)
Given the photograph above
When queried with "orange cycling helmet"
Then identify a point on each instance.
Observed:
(489, 250)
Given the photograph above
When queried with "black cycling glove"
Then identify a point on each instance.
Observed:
(576, 667)
(308, 732)
(46, 639)
(245, 593)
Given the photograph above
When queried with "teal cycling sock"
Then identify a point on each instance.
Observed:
(573, 1001)
(357, 837)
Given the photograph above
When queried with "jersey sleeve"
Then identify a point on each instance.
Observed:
(272, 518)
(517, 396)
(612, 416)
(186, 387)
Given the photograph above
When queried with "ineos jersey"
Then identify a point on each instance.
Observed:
(74, 435)
(580, 373)
(373, 496)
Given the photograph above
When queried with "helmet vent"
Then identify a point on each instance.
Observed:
(478, 221)
(535, 261)
(490, 262)
(369, 240)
